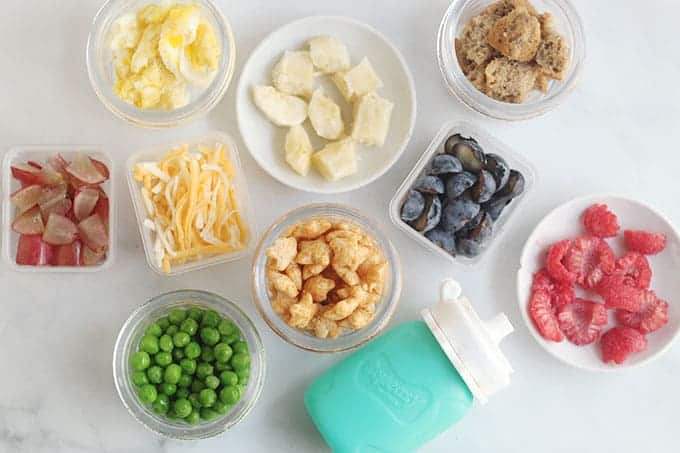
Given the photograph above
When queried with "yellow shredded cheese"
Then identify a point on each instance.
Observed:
(191, 205)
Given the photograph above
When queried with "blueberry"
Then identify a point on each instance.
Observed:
(469, 153)
(429, 184)
(413, 206)
(444, 163)
(430, 216)
(484, 188)
(483, 231)
(443, 240)
(457, 213)
(459, 183)
(472, 224)
(471, 241)
(514, 186)
(468, 247)
(497, 166)
(495, 206)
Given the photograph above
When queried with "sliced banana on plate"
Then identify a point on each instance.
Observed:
(282, 109)
(294, 73)
(371, 119)
(298, 150)
(325, 116)
(329, 54)
(358, 81)
(336, 160)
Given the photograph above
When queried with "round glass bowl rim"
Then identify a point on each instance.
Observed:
(298, 338)
(470, 96)
(124, 347)
(201, 104)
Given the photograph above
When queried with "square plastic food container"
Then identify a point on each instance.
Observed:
(156, 153)
(40, 153)
(488, 145)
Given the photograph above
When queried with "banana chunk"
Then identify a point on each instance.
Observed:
(372, 116)
(298, 150)
(329, 54)
(336, 160)
(325, 116)
(282, 109)
(294, 73)
(358, 81)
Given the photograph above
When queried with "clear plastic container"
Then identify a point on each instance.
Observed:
(40, 153)
(128, 340)
(351, 339)
(567, 23)
(102, 75)
(156, 153)
(489, 145)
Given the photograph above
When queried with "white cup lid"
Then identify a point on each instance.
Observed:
(470, 343)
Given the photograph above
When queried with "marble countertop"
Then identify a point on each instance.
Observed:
(618, 132)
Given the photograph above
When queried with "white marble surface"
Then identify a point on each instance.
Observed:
(618, 132)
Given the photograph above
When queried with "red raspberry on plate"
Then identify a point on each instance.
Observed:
(653, 314)
(600, 221)
(619, 342)
(555, 262)
(645, 242)
(636, 270)
(541, 312)
(617, 293)
(582, 320)
(589, 258)
(560, 293)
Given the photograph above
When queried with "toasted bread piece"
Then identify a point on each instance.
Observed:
(547, 21)
(553, 56)
(473, 40)
(504, 7)
(542, 80)
(516, 35)
(508, 80)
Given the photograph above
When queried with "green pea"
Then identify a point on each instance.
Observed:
(168, 389)
(210, 336)
(207, 354)
(230, 394)
(204, 370)
(219, 366)
(140, 361)
(193, 398)
(222, 352)
(210, 319)
(149, 344)
(182, 393)
(182, 407)
(189, 326)
(228, 378)
(163, 322)
(195, 313)
(165, 343)
(177, 354)
(171, 330)
(181, 339)
(172, 373)
(147, 393)
(229, 339)
(197, 386)
(164, 358)
(240, 361)
(207, 397)
(208, 414)
(212, 382)
(193, 418)
(155, 374)
(221, 408)
(188, 365)
(154, 330)
(192, 350)
(184, 381)
(162, 404)
(227, 327)
(139, 378)
(176, 316)
(243, 375)
(240, 347)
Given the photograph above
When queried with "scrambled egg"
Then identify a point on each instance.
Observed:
(191, 205)
(159, 51)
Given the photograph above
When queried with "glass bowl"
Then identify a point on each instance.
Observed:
(133, 330)
(102, 75)
(351, 339)
(567, 23)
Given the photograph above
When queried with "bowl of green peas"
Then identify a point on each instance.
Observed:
(188, 364)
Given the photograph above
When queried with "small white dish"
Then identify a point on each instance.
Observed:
(265, 141)
(565, 222)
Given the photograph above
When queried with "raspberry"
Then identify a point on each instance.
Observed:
(541, 312)
(618, 294)
(582, 320)
(619, 342)
(644, 242)
(600, 221)
(636, 270)
(560, 293)
(555, 263)
(590, 258)
(653, 314)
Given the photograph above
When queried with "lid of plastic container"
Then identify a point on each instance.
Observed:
(470, 343)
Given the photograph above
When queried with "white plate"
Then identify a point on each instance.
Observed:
(565, 222)
(265, 141)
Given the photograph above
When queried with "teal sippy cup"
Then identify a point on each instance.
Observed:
(412, 383)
